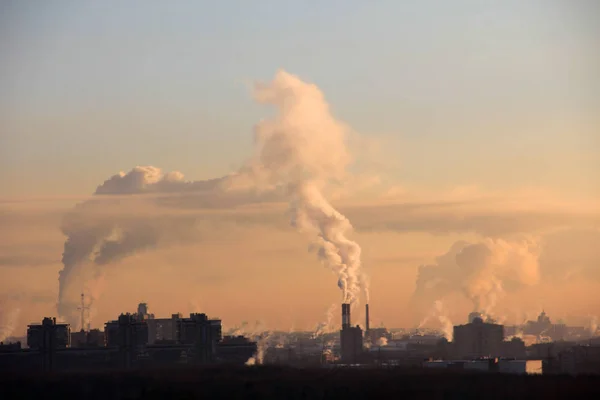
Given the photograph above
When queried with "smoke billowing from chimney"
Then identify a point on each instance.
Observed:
(302, 149)
(482, 271)
(299, 152)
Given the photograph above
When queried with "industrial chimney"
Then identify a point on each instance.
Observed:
(367, 318)
(345, 316)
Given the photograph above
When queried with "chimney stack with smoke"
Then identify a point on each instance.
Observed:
(367, 318)
(345, 315)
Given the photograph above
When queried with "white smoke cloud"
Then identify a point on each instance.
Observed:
(482, 271)
(439, 313)
(299, 152)
(262, 344)
(303, 149)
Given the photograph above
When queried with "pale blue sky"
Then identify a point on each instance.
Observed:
(466, 92)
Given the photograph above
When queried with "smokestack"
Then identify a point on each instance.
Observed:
(345, 315)
(367, 318)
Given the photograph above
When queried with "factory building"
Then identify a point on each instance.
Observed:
(351, 338)
(478, 339)
(203, 333)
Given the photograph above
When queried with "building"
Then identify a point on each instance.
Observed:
(129, 334)
(127, 330)
(514, 348)
(541, 326)
(10, 347)
(489, 365)
(235, 350)
(580, 360)
(142, 312)
(478, 339)
(203, 333)
(92, 338)
(163, 330)
(48, 335)
(531, 367)
(351, 338)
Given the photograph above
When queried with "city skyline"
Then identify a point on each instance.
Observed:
(463, 154)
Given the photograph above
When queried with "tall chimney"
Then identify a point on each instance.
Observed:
(367, 318)
(345, 315)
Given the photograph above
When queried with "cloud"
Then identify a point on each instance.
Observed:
(571, 254)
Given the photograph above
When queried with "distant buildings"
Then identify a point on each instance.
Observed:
(140, 340)
(10, 347)
(90, 339)
(478, 339)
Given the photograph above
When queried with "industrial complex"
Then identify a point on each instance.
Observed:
(138, 340)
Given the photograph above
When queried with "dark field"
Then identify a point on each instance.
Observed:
(287, 383)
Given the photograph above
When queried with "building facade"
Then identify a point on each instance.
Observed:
(478, 339)
(48, 335)
(203, 333)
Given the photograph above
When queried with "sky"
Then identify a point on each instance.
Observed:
(493, 102)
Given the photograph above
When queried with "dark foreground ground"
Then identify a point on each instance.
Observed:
(287, 383)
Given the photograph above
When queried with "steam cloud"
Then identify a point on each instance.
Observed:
(8, 322)
(482, 271)
(326, 326)
(438, 312)
(299, 152)
(593, 325)
(262, 344)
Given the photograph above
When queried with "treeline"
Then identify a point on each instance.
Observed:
(287, 383)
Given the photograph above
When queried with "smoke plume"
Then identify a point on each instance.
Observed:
(327, 325)
(299, 152)
(262, 344)
(482, 271)
(302, 149)
(438, 312)
(593, 325)
(8, 322)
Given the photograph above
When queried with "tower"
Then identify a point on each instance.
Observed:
(346, 315)
(83, 308)
(351, 340)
